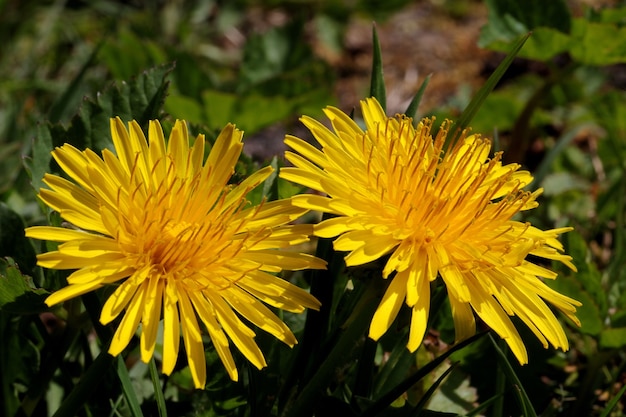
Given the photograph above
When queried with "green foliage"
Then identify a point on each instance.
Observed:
(211, 63)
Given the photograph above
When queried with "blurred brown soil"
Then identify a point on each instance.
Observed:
(421, 39)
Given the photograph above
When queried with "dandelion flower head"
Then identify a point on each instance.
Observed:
(394, 190)
(162, 225)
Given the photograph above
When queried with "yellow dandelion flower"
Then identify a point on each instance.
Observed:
(394, 191)
(178, 241)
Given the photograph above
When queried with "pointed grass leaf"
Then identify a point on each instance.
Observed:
(482, 94)
(411, 111)
(520, 394)
(394, 392)
(377, 84)
(611, 404)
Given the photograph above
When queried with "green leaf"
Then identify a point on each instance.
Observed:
(611, 404)
(614, 338)
(140, 99)
(589, 314)
(598, 43)
(377, 85)
(521, 396)
(509, 19)
(13, 242)
(411, 111)
(185, 108)
(396, 391)
(18, 294)
(219, 108)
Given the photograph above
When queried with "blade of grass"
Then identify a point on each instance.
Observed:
(505, 365)
(128, 389)
(377, 85)
(500, 383)
(85, 387)
(611, 404)
(419, 407)
(411, 111)
(342, 352)
(386, 399)
(474, 105)
(477, 411)
(158, 390)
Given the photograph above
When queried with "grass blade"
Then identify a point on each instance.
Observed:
(411, 111)
(522, 397)
(377, 85)
(158, 390)
(128, 389)
(474, 105)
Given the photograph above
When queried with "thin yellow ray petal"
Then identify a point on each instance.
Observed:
(389, 306)
(73, 162)
(371, 250)
(239, 333)
(225, 153)
(122, 143)
(292, 261)
(239, 192)
(307, 150)
(71, 291)
(419, 315)
(139, 149)
(156, 150)
(268, 287)
(118, 300)
(150, 317)
(193, 340)
(218, 337)
(305, 178)
(57, 234)
(178, 147)
(128, 326)
(464, 321)
(70, 194)
(171, 328)
(58, 260)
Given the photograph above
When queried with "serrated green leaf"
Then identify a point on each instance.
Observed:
(17, 292)
(614, 338)
(140, 99)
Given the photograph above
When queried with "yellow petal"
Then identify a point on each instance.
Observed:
(389, 306)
